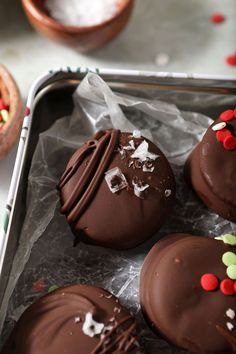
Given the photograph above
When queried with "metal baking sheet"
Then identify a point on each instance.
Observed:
(50, 98)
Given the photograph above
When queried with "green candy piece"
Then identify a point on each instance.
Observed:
(229, 258)
(231, 271)
(52, 288)
(5, 115)
(229, 239)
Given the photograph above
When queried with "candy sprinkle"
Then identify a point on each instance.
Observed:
(217, 18)
(230, 143)
(229, 258)
(219, 126)
(231, 60)
(3, 105)
(227, 115)
(230, 313)
(5, 115)
(221, 135)
(209, 282)
(227, 287)
(230, 326)
(228, 239)
(231, 271)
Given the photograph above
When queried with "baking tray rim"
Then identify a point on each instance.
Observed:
(67, 73)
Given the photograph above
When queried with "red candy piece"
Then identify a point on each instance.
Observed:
(27, 111)
(217, 18)
(227, 116)
(3, 105)
(231, 60)
(235, 286)
(230, 143)
(39, 286)
(222, 134)
(209, 282)
(235, 113)
(227, 287)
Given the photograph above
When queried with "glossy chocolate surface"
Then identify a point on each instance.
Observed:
(122, 219)
(77, 319)
(173, 300)
(211, 170)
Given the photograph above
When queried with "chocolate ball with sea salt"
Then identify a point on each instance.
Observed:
(117, 190)
(77, 319)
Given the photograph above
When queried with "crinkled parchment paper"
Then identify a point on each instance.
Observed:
(46, 256)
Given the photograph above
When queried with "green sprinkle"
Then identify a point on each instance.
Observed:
(5, 115)
(52, 288)
(231, 271)
(229, 239)
(229, 258)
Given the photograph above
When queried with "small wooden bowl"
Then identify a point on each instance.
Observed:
(83, 39)
(10, 94)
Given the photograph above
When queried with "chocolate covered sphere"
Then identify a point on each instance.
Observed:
(117, 190)
(188, 294)
(211, 167)
(77, 319)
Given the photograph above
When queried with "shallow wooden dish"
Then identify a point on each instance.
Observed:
(83, 39)
(11, 96)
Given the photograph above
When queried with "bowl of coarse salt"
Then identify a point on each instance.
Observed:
(11, 111)
(82, 24)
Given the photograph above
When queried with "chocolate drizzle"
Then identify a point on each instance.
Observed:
(124, 340)
(103, 146)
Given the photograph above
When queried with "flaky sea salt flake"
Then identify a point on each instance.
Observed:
(90, 327)
(142, 153)
(139, 189)
(136, 134)
(116, 180)
(131, 146)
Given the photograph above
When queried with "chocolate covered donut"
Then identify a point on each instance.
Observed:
(211, 167)
(117, 190)
(77, 319)
(188, 292)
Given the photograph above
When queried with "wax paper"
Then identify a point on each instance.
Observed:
(46, 257)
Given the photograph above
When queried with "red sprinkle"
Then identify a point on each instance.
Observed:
(222, 134)
(231, 60)
(217, 18)
(209, 282)
(227, 116)
(38, 286)
(227, 287)
(230, 143)
(3, 105)
(27, 111)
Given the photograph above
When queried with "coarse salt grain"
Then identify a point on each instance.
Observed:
(81, 12)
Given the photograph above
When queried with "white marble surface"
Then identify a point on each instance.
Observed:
(180, 28)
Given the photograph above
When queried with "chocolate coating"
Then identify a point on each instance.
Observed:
(211, 170)
(173, 300)
(118, 220)
(55, 324)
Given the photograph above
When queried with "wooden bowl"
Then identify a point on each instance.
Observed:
(10, 94)
(83, 39)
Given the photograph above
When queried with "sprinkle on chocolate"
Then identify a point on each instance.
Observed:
(90, 327)
(142, 153)
(230, 313)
